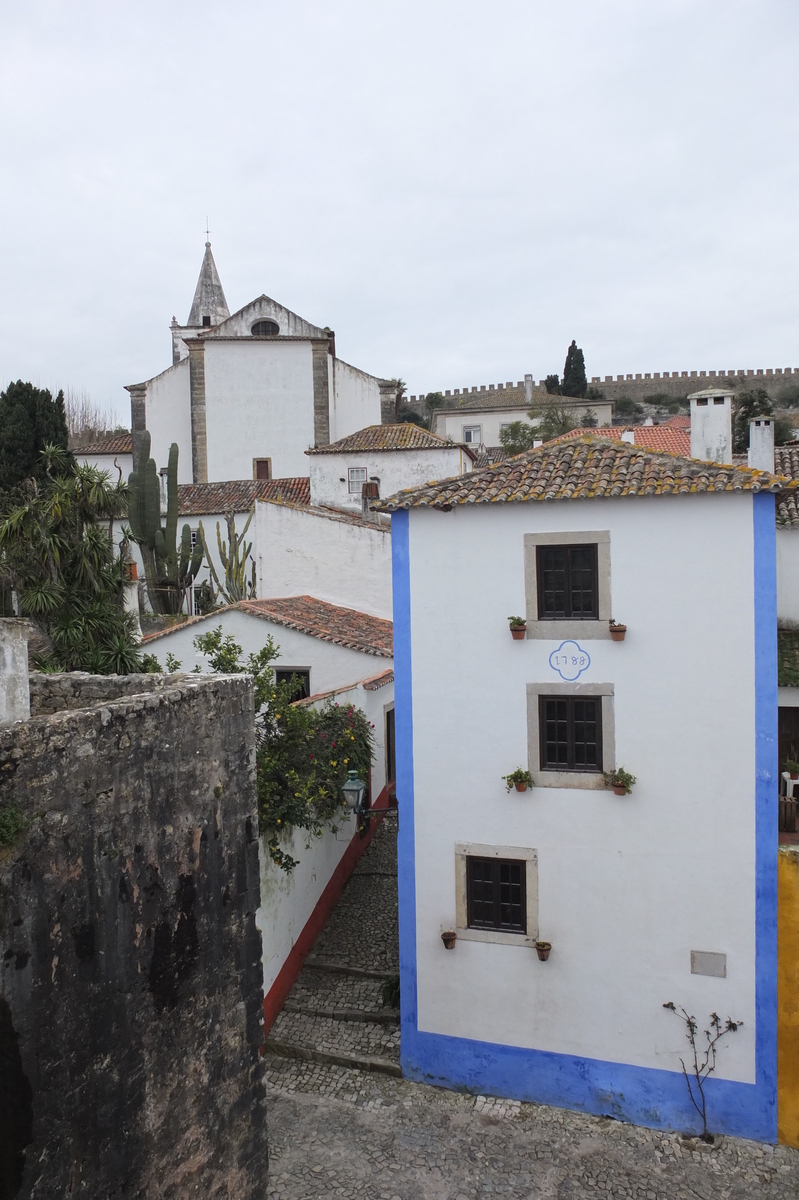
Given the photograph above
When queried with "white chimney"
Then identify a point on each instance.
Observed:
(628, 435)
(528, 389)
(711, 425)
(761, 444)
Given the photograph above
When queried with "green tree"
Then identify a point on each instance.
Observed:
(302, 753)
(589, 419)
(30, 419)
(516, 437)
(552, 384)
(754, 402)
(575, 382)
(58, 555)
(551, 420)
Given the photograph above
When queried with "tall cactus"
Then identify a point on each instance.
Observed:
(234, 560)
(169, 570)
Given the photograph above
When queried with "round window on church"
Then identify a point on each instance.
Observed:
(265, 328)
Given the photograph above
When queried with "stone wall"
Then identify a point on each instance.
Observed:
(683, 383)
(55, 693)
(130, 962)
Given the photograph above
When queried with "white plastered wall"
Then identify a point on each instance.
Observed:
(395, 469)
(354, 399)
(627, 886)
(168, 418)
(109, 463)
(331, 666)
(452, 425)
(303, 552)
(787, 575)
(287, 901)
(259, 404)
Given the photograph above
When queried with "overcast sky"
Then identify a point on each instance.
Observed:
(457, 188)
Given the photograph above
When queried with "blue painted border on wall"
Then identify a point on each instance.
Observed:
(643, 1095)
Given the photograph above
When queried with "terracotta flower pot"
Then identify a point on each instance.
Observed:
(518, 632)
(521, 787)
(542, 949)
(448, 937)
(619, 789)
(617, 632)
(794, 774)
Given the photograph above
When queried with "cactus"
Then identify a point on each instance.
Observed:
(234, 561)
(168, 569)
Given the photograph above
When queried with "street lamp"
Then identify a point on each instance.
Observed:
(354, 791)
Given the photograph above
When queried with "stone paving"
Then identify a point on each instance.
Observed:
(336, 1131)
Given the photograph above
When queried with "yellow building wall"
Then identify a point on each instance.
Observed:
(788, 996)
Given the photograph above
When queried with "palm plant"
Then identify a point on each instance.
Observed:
(57, 554)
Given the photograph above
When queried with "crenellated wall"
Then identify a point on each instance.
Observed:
(130, 963)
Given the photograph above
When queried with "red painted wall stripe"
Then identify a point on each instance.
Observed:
(289, 972)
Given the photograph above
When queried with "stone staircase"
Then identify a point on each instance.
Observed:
(335, 1012)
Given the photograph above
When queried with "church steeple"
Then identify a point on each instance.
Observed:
(209, 306)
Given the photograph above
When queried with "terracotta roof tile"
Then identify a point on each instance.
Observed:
(121, 443)
(406, 436)
(786, 462)
(330, 622)
(239, 495)
(680, 421)
(585, 468)
(651, 437)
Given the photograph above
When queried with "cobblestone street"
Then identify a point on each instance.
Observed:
(340, 1131)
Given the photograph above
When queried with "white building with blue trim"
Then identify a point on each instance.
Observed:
(667, 893)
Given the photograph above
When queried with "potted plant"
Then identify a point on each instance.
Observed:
(542, 949)
(620, 780)
(792, 767)
(448, 937)
(617, 631)
(518, 628)
(519, 779)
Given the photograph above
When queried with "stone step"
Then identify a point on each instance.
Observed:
(342, 968)
(340, 991)
(367, 1045)
(362, 929)
(386, 1016)
(358, 1063)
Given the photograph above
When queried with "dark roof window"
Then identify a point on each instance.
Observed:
(206, 320)
(265, 329)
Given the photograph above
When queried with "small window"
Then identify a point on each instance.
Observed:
(571, 733)
(567, 583)
(262, 468)
(702, 402)
(356, 478)
(206, 321)
(472, 434)
(265, 329)
(718, 399)
(194, 534)
(302, 680)
(496, 895)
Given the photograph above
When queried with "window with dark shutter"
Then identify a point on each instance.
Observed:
(571, 733)
(496, 894)
(567, 583)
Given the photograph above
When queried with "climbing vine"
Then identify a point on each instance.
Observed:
(303, 753)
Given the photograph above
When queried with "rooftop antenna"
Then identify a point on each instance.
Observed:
(207, 232)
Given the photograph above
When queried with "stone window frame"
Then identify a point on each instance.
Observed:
(475, 441)
(589, 780)
(559, 630)
(255, 461)
(464, 850)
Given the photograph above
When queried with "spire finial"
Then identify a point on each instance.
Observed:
(207, 233)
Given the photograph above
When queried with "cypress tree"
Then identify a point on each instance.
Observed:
(575, 382)
(30, 419)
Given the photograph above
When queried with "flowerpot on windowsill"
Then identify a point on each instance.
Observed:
(542, 949)
(520, 787)
(518, 632)
(449, 937)
(619, 789)
(617, 632)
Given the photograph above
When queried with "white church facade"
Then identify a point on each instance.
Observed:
(247, 394)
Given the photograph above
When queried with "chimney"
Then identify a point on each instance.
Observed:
(628, 435)
(761, 444)
(370, 494)
(528, 389)
(711, 425)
